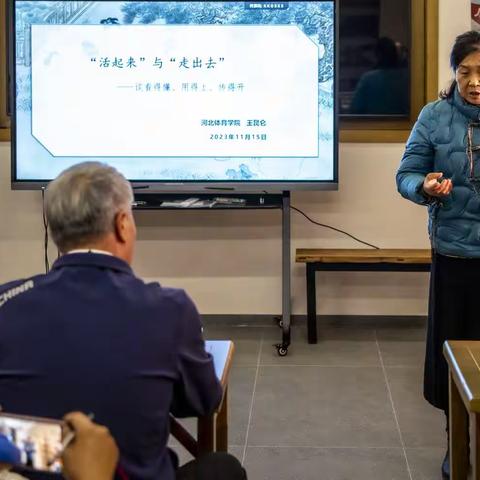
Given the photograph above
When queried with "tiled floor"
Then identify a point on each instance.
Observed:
(350, 407)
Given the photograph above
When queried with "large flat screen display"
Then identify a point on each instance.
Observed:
(176, 95)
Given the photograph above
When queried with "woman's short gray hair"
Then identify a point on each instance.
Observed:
(82, 202)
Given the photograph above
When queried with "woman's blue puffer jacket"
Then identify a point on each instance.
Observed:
(438, 143)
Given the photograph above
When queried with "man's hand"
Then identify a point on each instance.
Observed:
(93, 453)
(433, 187)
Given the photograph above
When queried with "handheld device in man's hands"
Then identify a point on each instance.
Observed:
(39, 440)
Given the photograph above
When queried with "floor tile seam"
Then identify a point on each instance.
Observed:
(244, 365)
(428, 447)
(321, 365)
(327, 447)
(241, 325)
(387, 383)
(252, 400)
(401, 366)
(322, 447)
(407, 448)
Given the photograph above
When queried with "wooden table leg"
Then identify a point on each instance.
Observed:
(311, 304)
(475, 446)
(222, 424)
(206, 434)
(458, 434)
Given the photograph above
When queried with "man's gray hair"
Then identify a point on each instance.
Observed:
(82, 202)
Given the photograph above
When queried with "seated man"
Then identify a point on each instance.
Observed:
(91, 336)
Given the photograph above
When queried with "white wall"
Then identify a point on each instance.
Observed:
(454, 19)
(230, 262)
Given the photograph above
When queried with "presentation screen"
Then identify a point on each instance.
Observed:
(176, 95)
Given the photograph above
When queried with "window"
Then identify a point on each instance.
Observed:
(384, 77)
(374, 59)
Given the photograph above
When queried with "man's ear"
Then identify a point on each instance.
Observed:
(121, 227)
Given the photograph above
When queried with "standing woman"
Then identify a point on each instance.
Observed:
(441, 168)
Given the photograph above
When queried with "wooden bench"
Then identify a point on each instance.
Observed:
(355, 260)
(463, 358)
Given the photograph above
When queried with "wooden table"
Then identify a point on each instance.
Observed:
(463, 358)
(355, 260)
(212, 430)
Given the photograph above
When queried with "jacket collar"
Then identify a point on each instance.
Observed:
(470, 111)
(92, 260)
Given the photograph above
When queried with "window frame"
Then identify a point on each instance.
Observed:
(424, 45)
(424, 33)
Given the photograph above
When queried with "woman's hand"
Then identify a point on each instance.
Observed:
(434, 187)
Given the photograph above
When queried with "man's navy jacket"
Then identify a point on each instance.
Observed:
(90, 336)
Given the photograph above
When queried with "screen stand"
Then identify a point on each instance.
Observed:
(237, 201)
(282, 348)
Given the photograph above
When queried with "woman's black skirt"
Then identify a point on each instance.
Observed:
(453, 314)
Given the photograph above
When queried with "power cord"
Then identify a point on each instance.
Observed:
(333, 228)
(45, 226)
